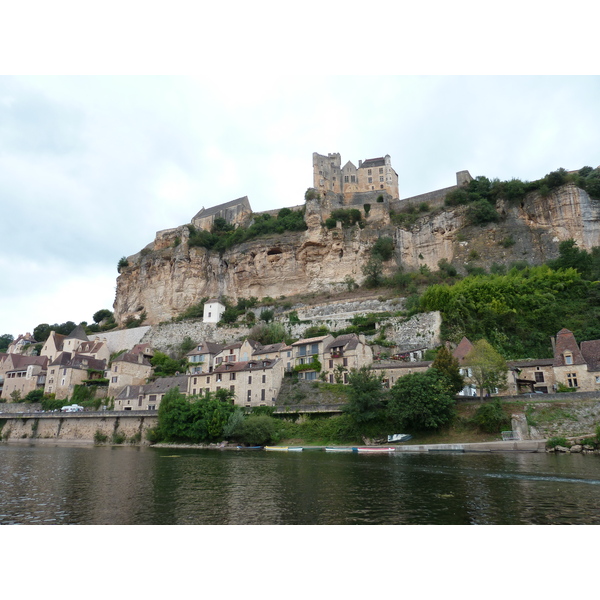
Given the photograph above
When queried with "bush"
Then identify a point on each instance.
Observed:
(347, 216)
(99, 437)
(491, 417)
(122, 264)
(482, 212)
(557, 441)
(383, 248)
(34, 396)
(257, 430)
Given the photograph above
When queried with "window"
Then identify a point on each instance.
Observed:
(231, 376)
(345, 362)
(381, 178)
(353, 178)
(262, 395)
(345, 178)
(331, 364)
(264, 379)
(310, 375)
(249, 396)
(140, 402)
(370, 180)
(195, 380)
(369, 172)
(314, 349)
(249, 379)
(597, 378)
(302, 351)
(331, 379)
(568, 359)
(114, 380)
(381, 171)
(232, 388)
(539, 376)
(208, 380)
(572, 380)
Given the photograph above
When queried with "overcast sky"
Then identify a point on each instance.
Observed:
(92, 166)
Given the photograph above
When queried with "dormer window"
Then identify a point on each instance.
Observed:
(568, 359)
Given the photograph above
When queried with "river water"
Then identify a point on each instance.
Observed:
(145, 486)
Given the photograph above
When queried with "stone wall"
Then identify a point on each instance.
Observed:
(124, 339)
(76, 428)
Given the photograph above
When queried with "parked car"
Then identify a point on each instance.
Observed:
(72, 408)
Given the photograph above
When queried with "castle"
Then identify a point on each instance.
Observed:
(372, 175)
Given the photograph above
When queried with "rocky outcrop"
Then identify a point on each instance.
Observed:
(168, 276)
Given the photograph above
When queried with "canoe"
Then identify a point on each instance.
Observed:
(295, 449)
(371, 449)
(249, 447)
(346, 449)
(277, 448)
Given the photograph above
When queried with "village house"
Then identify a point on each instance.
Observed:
(394, 370)
(531, 376)
(213, 311)
(344, 353)
(22, 374)
(202, 358)
(235, 212)
(252, 382)
(53, 345)
(576, 367)
(149, 395)
(128, 368)
(22, 345)
(236, 352)
(308, 356)
(68, 370)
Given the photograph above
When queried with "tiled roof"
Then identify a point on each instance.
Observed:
(20, 361)
(349, 341)
(463, 348)
(130, 357)
(78, 333)
(566, 343)
(530, 362)
(373, 162)
(591, 353)
(207, 348)
(401, 365)
(164, 384)
(209, 212)
(246, 365)
(309, 341)
(269, 348)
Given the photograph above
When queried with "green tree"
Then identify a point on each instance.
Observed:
(267, 315)
(571, 257)
(383, 248)
(165, 366)
(421, 401)
(102, 314)
(5, 341)
(446, 364)
(488, 370)
(373, 272)
(365, 395)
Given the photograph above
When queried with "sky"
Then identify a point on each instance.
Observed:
(99, 153)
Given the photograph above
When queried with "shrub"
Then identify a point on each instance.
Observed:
(482, 212)
(311, 194)
(491, 417)
(99, 437)
(118, 437)
(122, 264)
(257, 430)
(383, 248)
(557, 441)
(507, 242)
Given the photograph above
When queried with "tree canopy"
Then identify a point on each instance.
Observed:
(365, 395)
(488, 370)
(446, 364)
(421, 401)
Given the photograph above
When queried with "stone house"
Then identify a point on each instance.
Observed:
(148, 396)
(571, 366)
(128, 369)
(202, 358)
(235, 212)
(530, 376)
(22, 345)
(72, 342)
(53, 345)
(213, 311)
(70, 369)
(236, 352)
(304, 354)
(344, 353)
(253, 382)
(394, 370)
(23, 374)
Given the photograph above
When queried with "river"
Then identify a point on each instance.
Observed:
(146, 486)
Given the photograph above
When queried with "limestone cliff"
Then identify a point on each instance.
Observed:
(168, 276)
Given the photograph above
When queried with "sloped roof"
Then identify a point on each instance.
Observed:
(373, 162)
(565, 342)
(207, 348)
(530, 362)
(61, 360)
(247, 365)
(130, 357)
(84, 361)
(269, 348)
(349, 341)
(463, 348)
(209, 212)
(90, 347)
(310, 340)
(401, 365)
(591, 353)
(78, 333)
(21, 361)
(164, 384)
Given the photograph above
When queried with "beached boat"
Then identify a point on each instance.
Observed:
(345, 449)
(370, 449)
(250, 447)
(277, 448)
(295, 449)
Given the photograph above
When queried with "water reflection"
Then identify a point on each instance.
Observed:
(43, 485)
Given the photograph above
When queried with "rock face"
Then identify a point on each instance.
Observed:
(168, 276)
